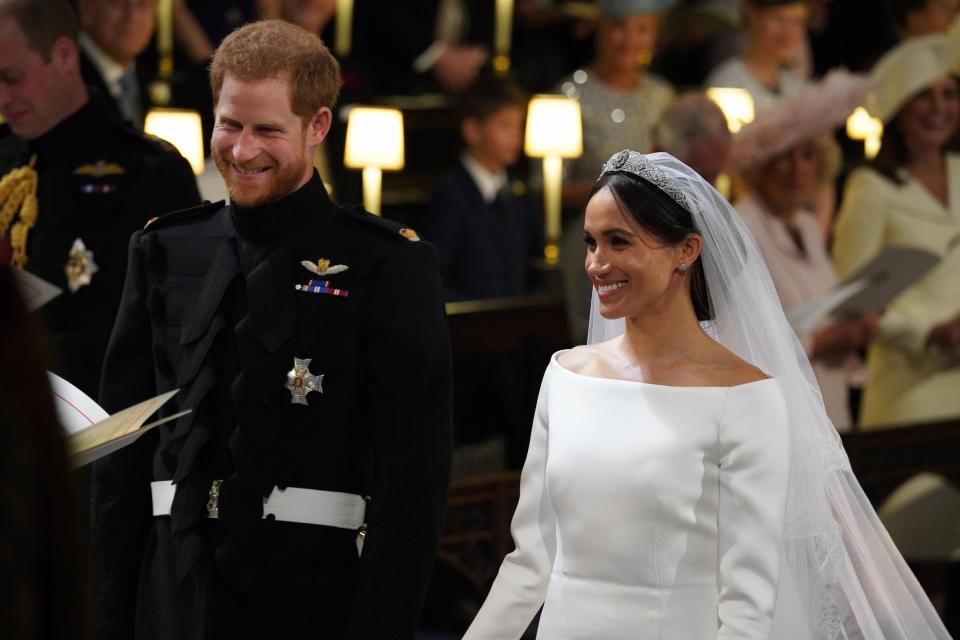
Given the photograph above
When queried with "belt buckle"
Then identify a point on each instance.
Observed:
(213, 500)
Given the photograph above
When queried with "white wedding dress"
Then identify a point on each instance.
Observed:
(646, 512)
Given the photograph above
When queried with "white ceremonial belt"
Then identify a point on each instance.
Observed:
(305, 506)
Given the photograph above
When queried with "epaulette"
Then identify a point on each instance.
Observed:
(184, 215)
(156, 142)
(141, 139)
(395, 230)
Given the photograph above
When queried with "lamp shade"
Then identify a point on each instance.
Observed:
(374, 139)
(861, 125)
(553, 127)
(736, 104)
(181, 128)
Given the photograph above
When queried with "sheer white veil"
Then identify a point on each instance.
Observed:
(841, 576)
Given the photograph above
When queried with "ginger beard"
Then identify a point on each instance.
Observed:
(271, 181)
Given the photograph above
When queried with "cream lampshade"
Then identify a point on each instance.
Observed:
(554, 131)
(374, 143)
(181, 128)
(736, 104)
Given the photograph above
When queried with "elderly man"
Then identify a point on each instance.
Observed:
(115, 32)
(78, 182)
(303, 496)
(694, 130)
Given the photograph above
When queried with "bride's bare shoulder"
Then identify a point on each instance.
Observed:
(579, 359)
(584, 359)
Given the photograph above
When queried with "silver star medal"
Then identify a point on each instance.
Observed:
(80, 266)
(300, 381)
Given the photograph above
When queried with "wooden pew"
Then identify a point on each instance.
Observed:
(500, 350)
(882, 459)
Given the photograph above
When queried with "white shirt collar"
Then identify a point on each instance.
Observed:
(488, 183)
(109, 69)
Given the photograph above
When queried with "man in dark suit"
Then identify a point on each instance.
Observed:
(115, 33)
(303, 496)
(78, 182)
(487, 231)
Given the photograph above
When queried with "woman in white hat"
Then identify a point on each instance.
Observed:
(910, 195)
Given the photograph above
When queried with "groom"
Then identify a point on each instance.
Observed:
(303, 496)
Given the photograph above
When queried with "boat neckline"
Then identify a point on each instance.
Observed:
(555, 362)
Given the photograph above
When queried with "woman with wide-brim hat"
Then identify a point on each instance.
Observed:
(910, 195)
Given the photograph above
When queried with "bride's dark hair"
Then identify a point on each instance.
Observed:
(663, 218)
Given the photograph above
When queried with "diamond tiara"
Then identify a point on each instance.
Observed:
(639, 165)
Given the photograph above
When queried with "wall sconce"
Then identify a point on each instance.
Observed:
(374, 143)
(181, 128)
(554, 131)
(736, 104)
(862, 126)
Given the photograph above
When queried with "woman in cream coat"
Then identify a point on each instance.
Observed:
(910, 195)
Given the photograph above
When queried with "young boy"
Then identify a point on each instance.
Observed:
(486, 234)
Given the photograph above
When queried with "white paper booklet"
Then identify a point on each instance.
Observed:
(91, 432)
(870, 289)
(36, 291)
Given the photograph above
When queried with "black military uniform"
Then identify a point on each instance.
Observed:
(99, 181)
(220, 302)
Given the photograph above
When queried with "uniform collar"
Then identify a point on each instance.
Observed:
(66, 136)
(280, 218)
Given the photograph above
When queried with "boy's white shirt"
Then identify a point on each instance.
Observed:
(488, 183)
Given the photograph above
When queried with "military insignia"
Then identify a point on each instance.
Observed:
(300, 381)
(322, 267)
(321, 286)
(80, 266)
(409, 234)
(97, 188)
(99, 169)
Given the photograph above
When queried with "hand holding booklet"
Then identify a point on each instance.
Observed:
(870, 289)
(91, 432)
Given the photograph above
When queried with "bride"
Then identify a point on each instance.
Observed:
(683, 481)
